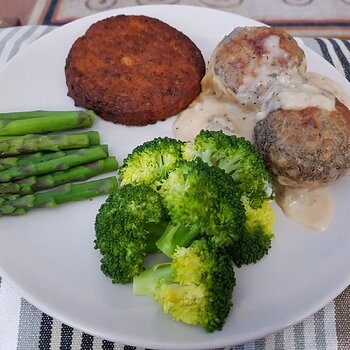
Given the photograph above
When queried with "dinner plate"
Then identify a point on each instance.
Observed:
(48, 255)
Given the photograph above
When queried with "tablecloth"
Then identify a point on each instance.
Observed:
(24, 327)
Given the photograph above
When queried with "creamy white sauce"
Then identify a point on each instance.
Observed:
(209, 112)
(296, 97)
(313, 208)
(302, 96)
(330, 86)
(268, 90)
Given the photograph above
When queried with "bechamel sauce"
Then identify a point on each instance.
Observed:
(330, 85)
(209, 112)
(312, 208)
(296, 97)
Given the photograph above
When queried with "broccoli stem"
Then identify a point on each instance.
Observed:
(83, 172)
(50, 142)
(78, 157)
(156, 231)
(50, 122)
(146, 281)
(176, 235)
(16, 205)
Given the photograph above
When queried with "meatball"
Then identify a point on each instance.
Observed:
(250, 59)
(305, 148)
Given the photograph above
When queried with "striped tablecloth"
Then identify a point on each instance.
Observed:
(24, 327)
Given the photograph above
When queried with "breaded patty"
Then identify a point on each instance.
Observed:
(251, 59)
(308, 147)
(134, 70)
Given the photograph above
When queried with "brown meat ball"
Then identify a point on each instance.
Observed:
(309, 147)
(134, 70)
(250, 59)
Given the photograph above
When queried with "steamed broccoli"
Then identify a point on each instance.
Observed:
(151, 162)
(195, 288)
(257, 235)
(201, 201)
(204, 204)
(238, 157)
(127, 226)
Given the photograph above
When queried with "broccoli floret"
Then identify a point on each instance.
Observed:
(256, 238)
(150, 162)
(127, 227)
(202, 201)
(238, 157)
(195, 288)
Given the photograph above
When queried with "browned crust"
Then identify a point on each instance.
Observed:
(134, 70)
(311, 146)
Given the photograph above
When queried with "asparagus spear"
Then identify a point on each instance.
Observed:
(27, 159)
(31, 114)
(37, 157)
(93, 136)
(48, 123)
(80, 156)
(83, 172)
(17, 205)
(10, 210)
(9, 162)
(49, 142)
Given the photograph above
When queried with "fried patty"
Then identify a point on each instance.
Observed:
(134, 70)
(308, 147)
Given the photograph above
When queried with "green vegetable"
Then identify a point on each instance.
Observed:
(151, 162)
(127, 226)
(48, 142)
(78, 173)
(23, 160)
(177, 235)
(204, 204)
(195, 288)
(238, 157)
(31, 158)
(205, 201)
(48, 123)
(17, 205)
(80, 156)
(256, 238)
(33, 114)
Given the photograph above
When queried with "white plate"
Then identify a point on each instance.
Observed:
(48, 255)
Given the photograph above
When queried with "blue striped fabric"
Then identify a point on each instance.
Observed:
(34, 330)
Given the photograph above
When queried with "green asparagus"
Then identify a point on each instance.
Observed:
(80, 156)
(93, 136)
(17, 205)
(83, 172)
(32, 114)
(31, 158)
(48, 142)
(37, 157)
(48, 123)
